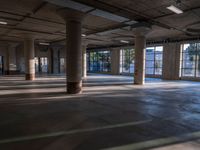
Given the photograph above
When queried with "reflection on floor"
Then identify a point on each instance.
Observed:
(111, 114)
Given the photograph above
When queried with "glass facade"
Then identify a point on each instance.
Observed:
(41, 64)
(127, 57)
(99, 61)
(62, 65)
(154, 60)
(190, 63)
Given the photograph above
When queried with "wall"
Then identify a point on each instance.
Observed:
(171, 61)
(115, 61)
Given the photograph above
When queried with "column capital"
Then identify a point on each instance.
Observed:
(70, 14)
(12, 45)
(141, 29)
(28, 36)
(84, 42)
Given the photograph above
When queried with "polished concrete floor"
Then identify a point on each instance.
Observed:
(111, 114)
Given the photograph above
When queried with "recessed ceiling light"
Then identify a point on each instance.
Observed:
(3, 22)
(123, 41)
(83, 35)
(42, 43)
(175, 9)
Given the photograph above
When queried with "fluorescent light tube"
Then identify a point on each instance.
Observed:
(3, 22)
(83, 35)
(42, 43)
(175, 9)
(123, 41)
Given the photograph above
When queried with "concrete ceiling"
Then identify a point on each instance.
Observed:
(107, 22)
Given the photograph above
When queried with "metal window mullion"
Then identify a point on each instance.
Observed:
(182, 61)
(195, 71)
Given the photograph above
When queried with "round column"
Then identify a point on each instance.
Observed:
(140, 45)
(73, 49)
(29, 55)
(140, 53)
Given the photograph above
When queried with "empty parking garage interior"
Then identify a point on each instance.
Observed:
(99, 75)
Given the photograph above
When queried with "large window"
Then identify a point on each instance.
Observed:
(62, 65)
(99, 61)
(154, 58)
(190, 60)
(127, 57)
(41, 64)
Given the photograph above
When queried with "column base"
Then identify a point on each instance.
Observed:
(74, 87)
(138, 83)
(85, 76)
(30, 77)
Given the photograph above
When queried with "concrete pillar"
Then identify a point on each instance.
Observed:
(50, 61)
(84, 61)
(171, 61)
(140, 50)
(115, 61)
(140, 45)
(56, 57)
(10, 59)
(29, 55)
(6, 61)
(73, 49)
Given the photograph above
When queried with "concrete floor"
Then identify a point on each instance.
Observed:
(111, 114)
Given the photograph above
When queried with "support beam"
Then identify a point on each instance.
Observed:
(140, 50)
(29, 55)
(115, 61)
(6, 61)
(73, 49)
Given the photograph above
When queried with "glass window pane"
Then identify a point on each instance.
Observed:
(159, 49)
(149, 64)
(99, 61)
(149, 70)
(154, 58)
(188, 72)
(158, 71)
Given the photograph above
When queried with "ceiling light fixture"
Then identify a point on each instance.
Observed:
(83, 35)
(42, 43)
(123, 41)
(3, 22)
(175, 9)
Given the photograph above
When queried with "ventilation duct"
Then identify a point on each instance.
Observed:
(108, 16)
(71, 4)
(85, 8)
(108, 32)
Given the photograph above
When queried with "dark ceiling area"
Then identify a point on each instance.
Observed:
(107, 23)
